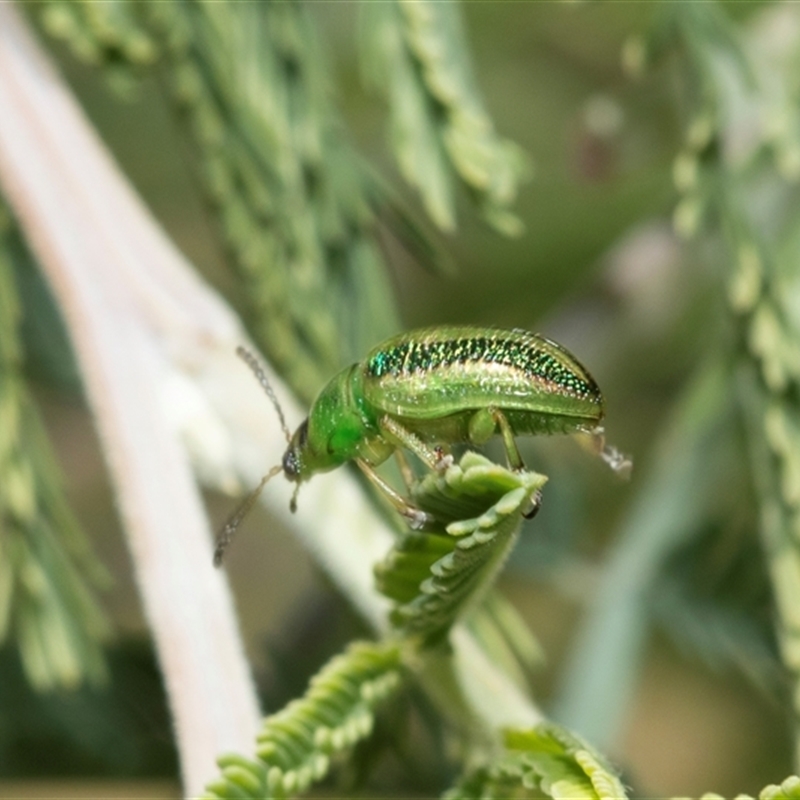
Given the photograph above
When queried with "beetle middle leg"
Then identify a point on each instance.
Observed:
(482, 427)
(515, 459)
(416, 517)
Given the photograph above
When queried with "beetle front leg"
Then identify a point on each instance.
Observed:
(405, 468)
(435, 457)
(417, 518)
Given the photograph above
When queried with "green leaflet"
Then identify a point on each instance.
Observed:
(545, 761)
(295, 746)
(789, 789)
(108, 33)
(437, 575)
(47, 569)
(100, 33)
(415, 53)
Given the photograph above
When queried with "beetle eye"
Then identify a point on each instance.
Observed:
(291, 464)
(302, 433)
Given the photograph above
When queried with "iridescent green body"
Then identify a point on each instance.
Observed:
(424, 390)
(440, 386)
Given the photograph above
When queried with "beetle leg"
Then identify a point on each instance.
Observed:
(435, 457)
(535, 504)
(444, 459)
(405, 468)
(510, 444)
(596, 442)
(416, 517)
(482, 426)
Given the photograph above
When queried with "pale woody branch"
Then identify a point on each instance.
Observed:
(156, 348)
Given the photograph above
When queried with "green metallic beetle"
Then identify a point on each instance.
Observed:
(423, 390)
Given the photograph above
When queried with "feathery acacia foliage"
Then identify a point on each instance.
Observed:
(733, 190)
(543, 762)
(441, 134)
(301, 216)
(46, 566)
(295, 746)
(736, 175)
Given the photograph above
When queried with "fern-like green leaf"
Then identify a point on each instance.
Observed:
(789, 789)
(435, 576)
(544, 761)
(295, 746)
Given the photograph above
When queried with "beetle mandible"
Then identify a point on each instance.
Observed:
(423, 390)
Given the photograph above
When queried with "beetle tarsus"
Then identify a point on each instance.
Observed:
(444, 460)
(535, 504)
(417, 519)
(618, 461)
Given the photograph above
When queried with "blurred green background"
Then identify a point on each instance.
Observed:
(598, 269)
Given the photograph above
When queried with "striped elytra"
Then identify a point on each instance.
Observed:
(430, 373)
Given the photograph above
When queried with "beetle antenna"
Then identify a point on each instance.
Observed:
(293, 501)
(261, 377)
(226, 534)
